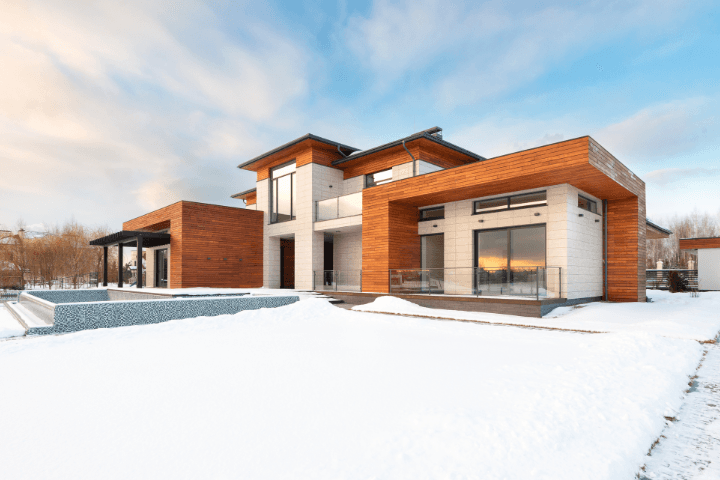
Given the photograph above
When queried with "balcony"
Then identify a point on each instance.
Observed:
(527, 282)
(339, 207)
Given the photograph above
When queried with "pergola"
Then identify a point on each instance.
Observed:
(129, 238)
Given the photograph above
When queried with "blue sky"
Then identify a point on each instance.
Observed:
(111, 109)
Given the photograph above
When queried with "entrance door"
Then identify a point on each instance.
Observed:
(161, 268)
(287, 263)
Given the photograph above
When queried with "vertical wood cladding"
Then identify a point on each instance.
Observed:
(199, 231)
(387, 241)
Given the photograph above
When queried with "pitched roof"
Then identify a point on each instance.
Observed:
(428, 134)
(308, 136)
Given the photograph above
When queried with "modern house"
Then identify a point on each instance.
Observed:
(707, 251)
(418, 215)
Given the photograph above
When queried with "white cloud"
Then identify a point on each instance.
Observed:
(464, 52)
(676, 129)
(110, 108)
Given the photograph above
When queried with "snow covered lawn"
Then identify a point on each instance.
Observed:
(313, 391)
(9, 327)
(675, 315)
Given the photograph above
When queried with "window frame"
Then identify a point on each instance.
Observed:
(508, 230)
(420, 212)
(590, 201)
(507, 203)
(368, 175)
(274, 191)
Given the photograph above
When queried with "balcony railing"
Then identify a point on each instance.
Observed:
(538, 282)
(339, 207)
(338, 280)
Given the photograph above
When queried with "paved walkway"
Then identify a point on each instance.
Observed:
(690, 445)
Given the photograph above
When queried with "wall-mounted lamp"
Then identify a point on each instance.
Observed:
(225, 259)
(537, 214)
(208, 258)
(481, 220)
(241, 259)
(581, 215)
(597, 221)
(330, 186)
(434, 226)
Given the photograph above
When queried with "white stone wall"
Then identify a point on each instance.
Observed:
(353, 185)
(709, 268)
(314, 182)
(573, 243)
(347, 251)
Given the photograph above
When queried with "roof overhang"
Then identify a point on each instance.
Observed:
(251, 164)
(699, 243)
(244, 195)
(129, 239)
(656, 232)
(428, 134)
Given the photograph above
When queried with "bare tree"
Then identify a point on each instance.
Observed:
(687, 226)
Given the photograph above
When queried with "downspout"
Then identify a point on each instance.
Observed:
(605, 250)
(411, 156)
(340, 152)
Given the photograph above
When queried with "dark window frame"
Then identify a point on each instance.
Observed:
(274, 192)
(420, 212)
(507, 202)
(368, 175)
(513, 227)
(590, 201)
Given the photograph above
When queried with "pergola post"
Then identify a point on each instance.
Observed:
(139, 261)
(105, 252)
(120, 265)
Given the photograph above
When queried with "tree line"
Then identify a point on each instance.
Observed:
(61, 252)
(683, 226)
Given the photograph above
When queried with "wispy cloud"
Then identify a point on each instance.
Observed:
(679, 175)
(113, 100)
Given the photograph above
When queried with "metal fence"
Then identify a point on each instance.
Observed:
(338, 280)
(538, 282)
(657, 279)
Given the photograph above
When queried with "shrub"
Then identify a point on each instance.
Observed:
(677, 282)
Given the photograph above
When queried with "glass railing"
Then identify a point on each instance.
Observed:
(338, 280)
(538, 282)
(339, 207)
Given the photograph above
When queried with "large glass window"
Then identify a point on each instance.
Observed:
(283, 193)
(510, 248)
(378, 178)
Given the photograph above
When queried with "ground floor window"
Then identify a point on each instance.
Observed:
(507, 258)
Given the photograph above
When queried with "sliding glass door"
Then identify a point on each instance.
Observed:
(507, 260)
(161, 268)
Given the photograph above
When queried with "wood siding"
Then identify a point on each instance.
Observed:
(200, 231)
(386, 226)
(695, 243)
(422, 149)
(251, 198)
(303, 153)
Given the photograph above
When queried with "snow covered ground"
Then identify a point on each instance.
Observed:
(675, 315)
(9, 327)
(313, 391)
(689, 448)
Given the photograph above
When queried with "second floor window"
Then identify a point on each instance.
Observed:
(378, 178)
(283, 191)
(587, 204)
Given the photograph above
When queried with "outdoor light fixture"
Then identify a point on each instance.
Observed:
(580, 215)
(597, 221)
(537, 214)
(434, 226)
(208, 258)
(481, 220)
(241, 259)
(225, 259)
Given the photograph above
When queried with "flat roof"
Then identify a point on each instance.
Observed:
(427, 134)
(308, 136)
(129, 239)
